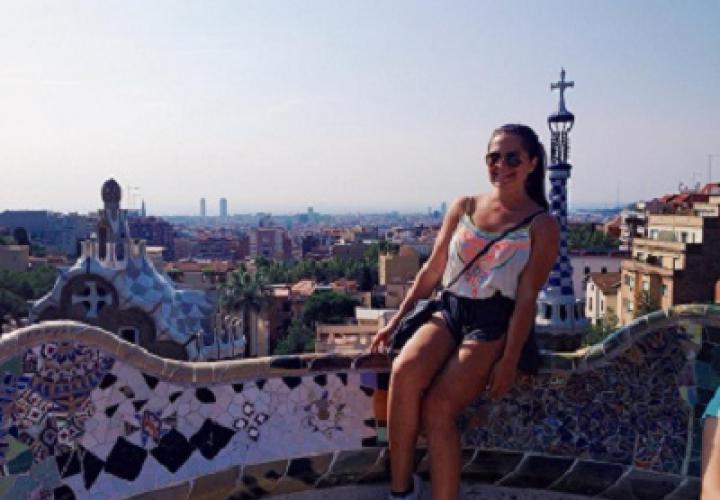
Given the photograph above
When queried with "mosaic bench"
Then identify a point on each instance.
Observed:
(87, 415)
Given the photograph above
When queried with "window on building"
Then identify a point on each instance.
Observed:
(602, 305)
(590, 301)
(603, 269)
(646, 284)
(563, 313)
(663, 290)
(683, 237)
(587, 269)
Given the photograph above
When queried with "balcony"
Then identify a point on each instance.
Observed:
(635, 265)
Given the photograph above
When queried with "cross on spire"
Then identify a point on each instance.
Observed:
(562, 85)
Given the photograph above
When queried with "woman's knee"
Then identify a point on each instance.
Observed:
(408, 374)
(438, 411)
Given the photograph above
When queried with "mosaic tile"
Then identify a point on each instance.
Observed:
(331, 363)
(589, 478)
(643, 485)
(211, 438)
(125, 460)
(538, 472)
(288, 363)
(489, 466)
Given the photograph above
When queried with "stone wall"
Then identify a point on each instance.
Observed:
(86, 415)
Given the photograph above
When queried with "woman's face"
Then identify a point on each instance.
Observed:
(507, 161)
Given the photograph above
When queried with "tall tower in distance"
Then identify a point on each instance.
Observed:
(560, 321)
(223, 208)
(203, 211)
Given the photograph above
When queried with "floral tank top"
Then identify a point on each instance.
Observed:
(496, 271)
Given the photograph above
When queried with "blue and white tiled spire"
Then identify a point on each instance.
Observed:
(560, 317)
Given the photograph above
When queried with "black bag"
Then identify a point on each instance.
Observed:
(425, 308)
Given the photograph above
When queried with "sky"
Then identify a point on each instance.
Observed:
(345, 105)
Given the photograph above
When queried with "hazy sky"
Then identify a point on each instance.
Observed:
(345, 105)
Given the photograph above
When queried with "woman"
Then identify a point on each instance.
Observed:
(476, 340)
(711, 449)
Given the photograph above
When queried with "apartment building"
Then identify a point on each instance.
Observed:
(601, 296)
(677, 263)
(396, 269)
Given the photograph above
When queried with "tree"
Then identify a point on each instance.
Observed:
(17, 288)
(328, 307)
(245, 293)
(584, 237)
(606, 326)
(299, 339)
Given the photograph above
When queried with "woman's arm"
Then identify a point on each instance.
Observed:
(429, 274)
(545, 244)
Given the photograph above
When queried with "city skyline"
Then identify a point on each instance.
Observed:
(364, 107)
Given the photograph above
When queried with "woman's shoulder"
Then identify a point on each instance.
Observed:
(545, 226)
(462, 205)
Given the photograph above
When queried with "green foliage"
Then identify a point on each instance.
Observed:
(607, 325)
(300, 338)
(322, 307)
(584, 237)
(364, 271)
(244, 292)
(16, 288)
(328, 307)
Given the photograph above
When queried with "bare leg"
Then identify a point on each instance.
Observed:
(711, 459)
(463, 377)
(412, 372)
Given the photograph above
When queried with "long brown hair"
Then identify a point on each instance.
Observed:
(535, 182)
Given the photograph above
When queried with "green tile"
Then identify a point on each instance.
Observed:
(21, 463)
(12, 365)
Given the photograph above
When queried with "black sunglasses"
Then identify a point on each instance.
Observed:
(512, 159)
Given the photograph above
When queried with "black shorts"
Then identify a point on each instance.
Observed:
(484, 320)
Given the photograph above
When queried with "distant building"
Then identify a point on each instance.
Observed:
(223, 208)
(352, 337)
(203, 208)
(204, 275)
(601, 296)
(271, 242)
(14, 257)
(586, 263)
(632, 225)
(396, 269)
(57, 232)
(348, 251)
(156, 232)
(678, 263)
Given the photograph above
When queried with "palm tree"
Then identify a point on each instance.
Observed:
(245, 293)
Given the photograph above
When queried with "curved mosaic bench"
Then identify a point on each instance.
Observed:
(86, 415)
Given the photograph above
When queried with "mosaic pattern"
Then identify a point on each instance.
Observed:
(620, 418)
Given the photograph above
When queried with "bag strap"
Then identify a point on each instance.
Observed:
(490, 243)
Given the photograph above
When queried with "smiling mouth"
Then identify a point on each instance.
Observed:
(502, 176)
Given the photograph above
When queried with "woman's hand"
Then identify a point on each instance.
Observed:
(381, 338)
(502, 378)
